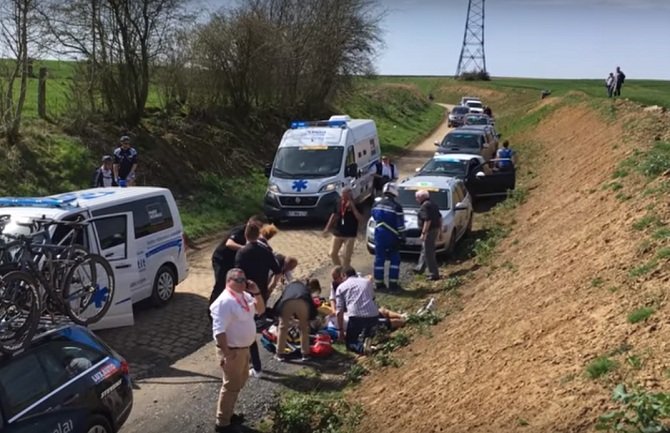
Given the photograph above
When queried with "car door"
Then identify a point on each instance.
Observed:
(495, 182)
(115, 234)
(456, 199)
(353, 182)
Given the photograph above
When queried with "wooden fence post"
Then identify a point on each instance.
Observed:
(42, 93)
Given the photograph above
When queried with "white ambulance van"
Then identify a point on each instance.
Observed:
(138, 230)
(314, 161)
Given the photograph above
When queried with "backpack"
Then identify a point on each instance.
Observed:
(323, 346)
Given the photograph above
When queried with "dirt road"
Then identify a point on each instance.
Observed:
(170, 350)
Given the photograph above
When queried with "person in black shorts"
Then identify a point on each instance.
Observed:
(125, 163)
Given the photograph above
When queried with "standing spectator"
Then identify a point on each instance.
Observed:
(389, 234)
(257, 262)
(609, 83)
(234, 330)
(104, 175)
(385, 172)
(619, 78)
(344, 224)
(125, 163)
(356, 297)
(296, 302)
(223, 258)
(488, 111)
(505, 157)
(430, 224)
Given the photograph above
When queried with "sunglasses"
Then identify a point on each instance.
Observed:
(240, 280)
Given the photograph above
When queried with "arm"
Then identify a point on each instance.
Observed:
(357, 214)
(329, 224)
(424, 229)
(222, 343)
(132, 169)
(340, 325)
(259, 304)
(115, 169)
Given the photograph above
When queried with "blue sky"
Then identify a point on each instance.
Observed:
(531, 38)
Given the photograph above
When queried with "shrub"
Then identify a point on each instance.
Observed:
(641, 412)
(640, 314)
(600, 367)
(305, 413)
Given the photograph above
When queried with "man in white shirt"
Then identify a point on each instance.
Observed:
(234, 330)
(384, 172)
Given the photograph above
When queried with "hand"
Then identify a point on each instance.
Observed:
(252, 287)
(423, 236)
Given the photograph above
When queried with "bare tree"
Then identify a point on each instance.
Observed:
(15, 17)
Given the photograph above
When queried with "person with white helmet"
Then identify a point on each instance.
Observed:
(389, 234)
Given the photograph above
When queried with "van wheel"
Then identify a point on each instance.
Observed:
(99, 424)
(164, 286)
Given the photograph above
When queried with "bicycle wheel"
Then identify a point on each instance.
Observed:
(88, 290)
(19, 310)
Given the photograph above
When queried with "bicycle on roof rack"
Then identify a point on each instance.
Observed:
(39, 276)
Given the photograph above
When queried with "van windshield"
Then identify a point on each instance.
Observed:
(308, 162)
(461, 140)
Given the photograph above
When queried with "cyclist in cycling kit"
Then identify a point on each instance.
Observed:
(125, 162)
(506, 157)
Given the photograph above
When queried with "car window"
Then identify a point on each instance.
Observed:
(407, 198)
(22, 382)
(462, 191)
(111, 231)
(64, 360)
(351, 156)
(63, 234)
(150, 215)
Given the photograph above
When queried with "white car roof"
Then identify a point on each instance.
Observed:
(54, 206)
(458, 157)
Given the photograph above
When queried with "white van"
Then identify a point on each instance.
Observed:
(138, 230)
(315, 160)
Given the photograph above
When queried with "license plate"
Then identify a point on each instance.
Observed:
(413, 241)
(297, 213)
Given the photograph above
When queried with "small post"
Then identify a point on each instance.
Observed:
(42, 93)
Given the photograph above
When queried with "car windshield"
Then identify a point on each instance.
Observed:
(451, 167)
(407, 198)
(308, 162)
(475, 104)
(461, 139)
(460, 110)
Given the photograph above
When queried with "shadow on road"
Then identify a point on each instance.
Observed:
(327, 374)
(484, 205)
(161, 336)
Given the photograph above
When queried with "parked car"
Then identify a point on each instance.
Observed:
(67, 380)
(456, 116)
(468, 140)
(454, 201)
(477, 119)
(481, 178)
(492, 136)
(475, 106)
(465, 99)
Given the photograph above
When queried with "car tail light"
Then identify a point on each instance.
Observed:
(125, 368)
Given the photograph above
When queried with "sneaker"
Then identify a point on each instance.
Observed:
(434, 278)
(278, 358)
(257, 374)
(367, 346)
(305, 358)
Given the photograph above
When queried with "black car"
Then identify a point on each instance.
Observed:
(67, 380)
(456, 116)
(482, 179)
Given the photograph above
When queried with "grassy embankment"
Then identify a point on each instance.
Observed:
(210, 166)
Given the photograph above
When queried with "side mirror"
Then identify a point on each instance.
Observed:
(268, 170)
(437, 143)
(480, 175)
(351, 170)
(418, 169)
(460, 206)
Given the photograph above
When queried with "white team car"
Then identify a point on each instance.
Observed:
(455, 204)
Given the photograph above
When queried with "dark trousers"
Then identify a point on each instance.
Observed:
(358, 329)
(255, 356)
(617, 90)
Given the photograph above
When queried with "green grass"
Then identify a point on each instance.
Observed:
(315, 413)
(640, 315)
(597, 282)
(643, 269)
(663, 253)
(646, 92)
(661, 233)
(402, 114)
(649, 220)
(600, 367)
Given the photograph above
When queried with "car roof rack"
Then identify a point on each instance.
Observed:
(47, 326)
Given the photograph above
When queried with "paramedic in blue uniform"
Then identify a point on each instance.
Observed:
(389, 234)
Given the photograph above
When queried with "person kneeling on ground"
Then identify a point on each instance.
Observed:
(356, 296)
(296, 302)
